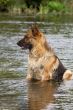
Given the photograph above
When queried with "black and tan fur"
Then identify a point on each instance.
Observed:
(43, 64)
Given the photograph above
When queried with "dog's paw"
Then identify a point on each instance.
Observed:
(29, 77)
(45, 78)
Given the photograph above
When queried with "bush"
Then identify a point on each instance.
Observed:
(5, 4)
(9, 5)
(33, 3)
(56, 6)
(52, 6)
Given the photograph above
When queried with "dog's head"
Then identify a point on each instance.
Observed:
(31, 39)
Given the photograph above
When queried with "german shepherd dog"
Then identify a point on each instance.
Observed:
(43, 64)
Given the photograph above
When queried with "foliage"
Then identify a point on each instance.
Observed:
(52, 6)
(42, 6)
(43, 9)
(56, 6)
(33, 3)
(4, 4)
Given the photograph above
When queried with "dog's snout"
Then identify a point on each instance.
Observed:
(18, 43)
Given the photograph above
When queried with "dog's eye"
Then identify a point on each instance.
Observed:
(25, 36)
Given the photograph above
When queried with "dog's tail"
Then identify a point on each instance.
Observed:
(68, 75)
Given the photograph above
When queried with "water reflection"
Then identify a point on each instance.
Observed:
(41, 95)
(23, 95)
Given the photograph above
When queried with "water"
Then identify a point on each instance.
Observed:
(15, 92)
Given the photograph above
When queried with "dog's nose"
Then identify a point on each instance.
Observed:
(18, 43)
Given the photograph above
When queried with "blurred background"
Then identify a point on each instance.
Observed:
(38, 6)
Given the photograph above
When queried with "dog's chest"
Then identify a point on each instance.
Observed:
(36, 65)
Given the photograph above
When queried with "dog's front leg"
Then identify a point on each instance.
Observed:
(45, 76)
(29, 75)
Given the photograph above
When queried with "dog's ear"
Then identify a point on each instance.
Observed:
(35, 30)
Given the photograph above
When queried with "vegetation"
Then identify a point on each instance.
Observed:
(52, 6)
(40, 6)
(57, 6)
(4, 5)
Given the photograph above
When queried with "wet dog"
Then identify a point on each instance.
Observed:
(43, 64)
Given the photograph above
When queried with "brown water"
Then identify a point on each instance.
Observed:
(15, 92)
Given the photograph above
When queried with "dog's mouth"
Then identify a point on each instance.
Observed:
(22, 47)
(26, 46)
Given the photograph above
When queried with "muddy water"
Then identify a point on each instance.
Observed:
(15, 92)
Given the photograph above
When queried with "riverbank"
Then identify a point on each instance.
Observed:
(37, 8)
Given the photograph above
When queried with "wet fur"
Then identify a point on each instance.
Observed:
(43, 64)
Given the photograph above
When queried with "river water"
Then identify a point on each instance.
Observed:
(16, 93)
